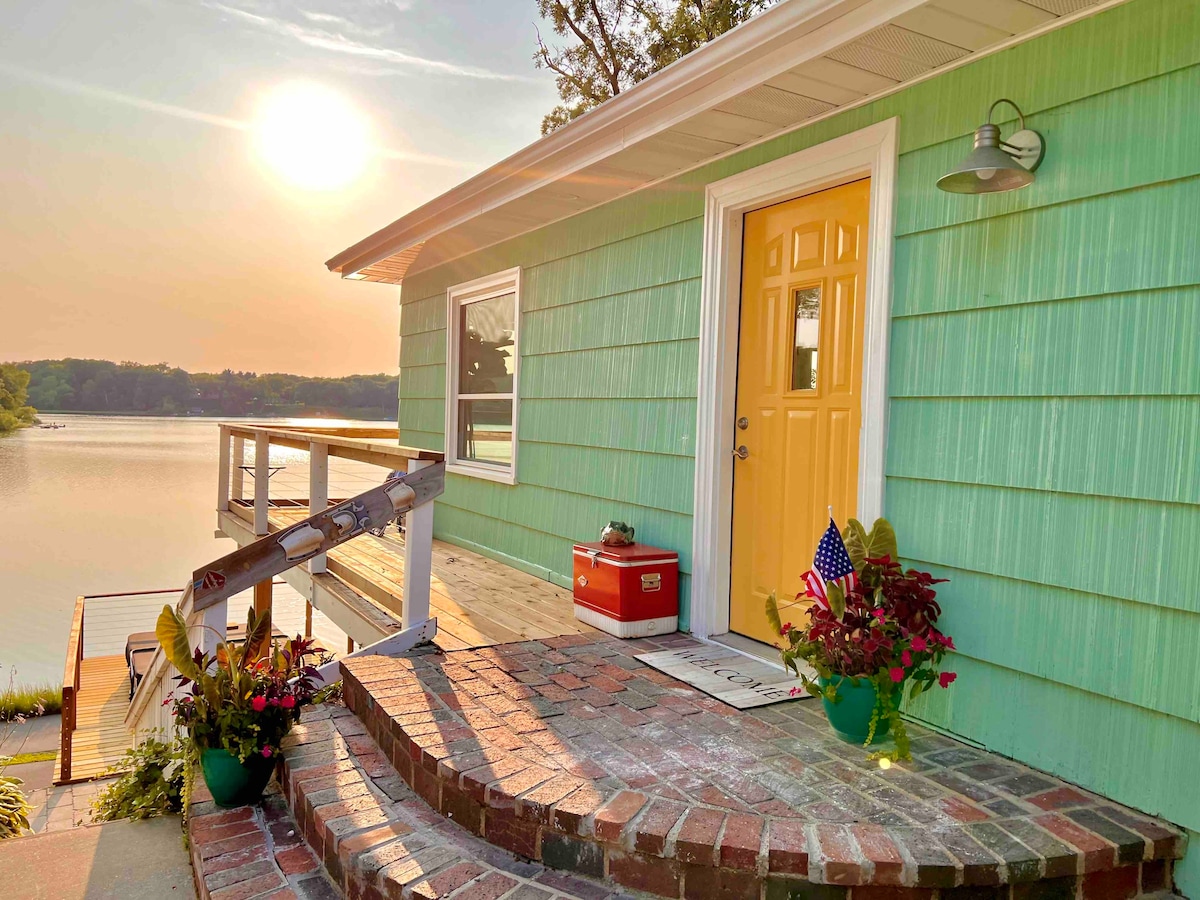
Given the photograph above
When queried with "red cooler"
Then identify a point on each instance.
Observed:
(630, 591)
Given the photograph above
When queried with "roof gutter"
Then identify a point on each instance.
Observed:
(753, 52)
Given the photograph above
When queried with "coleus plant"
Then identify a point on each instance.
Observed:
(240, 698)
(883, 629)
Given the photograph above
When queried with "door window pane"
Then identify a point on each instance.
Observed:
(485, 431)
(486, 351)
(807, 302)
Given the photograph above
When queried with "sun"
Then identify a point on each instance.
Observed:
(312, 137)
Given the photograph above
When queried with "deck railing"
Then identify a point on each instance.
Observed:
(373, 447)
(375, 450)
(109, 619)
(70, 690)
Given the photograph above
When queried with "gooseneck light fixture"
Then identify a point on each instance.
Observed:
(995, 165)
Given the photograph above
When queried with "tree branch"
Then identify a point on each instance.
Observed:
(615, 71)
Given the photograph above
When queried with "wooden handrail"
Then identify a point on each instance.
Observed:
(70, 691)
(361, 444)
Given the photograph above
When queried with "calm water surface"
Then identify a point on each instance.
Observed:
(107, 504)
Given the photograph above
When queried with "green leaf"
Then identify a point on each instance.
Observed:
(837, 599)
(855, 539)
(258, 637)
(862, 545)
(773, 614)
(171, 631)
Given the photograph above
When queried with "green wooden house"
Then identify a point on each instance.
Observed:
(736, 294)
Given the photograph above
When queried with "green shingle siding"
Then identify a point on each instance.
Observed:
(1045, 383)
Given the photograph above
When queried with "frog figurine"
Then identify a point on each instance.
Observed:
(616, 534)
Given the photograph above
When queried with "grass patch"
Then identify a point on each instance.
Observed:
(41, 756)
(30, 700)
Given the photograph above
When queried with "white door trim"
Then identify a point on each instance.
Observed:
(868, 152)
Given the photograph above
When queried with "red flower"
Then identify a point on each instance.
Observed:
(906, 658)
(879, 614)
(896, 673)
(946, 679)
(288, 702)
(266, 751)
(258, 704)
(919, 644)
(948, 642)
(785, 629)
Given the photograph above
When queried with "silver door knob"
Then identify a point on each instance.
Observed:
(743, 423)
(741, 452)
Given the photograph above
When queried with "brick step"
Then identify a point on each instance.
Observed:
(378, 841)
(569, 752)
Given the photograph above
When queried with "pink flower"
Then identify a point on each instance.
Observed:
(274, 701)
(266, 751)
(879, 614)
(906, 658)
(948, 642)
(896, 673)
(919, 644)
(946, 679)
(288, 702)
(258, 704)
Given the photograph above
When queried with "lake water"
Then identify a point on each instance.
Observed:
(107, 504)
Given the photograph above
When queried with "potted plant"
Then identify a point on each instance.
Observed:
(238, 703)
(870, 633)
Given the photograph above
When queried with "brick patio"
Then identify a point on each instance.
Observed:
(570, 752)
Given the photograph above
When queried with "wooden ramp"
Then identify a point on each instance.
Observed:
(478, 601)
(100, 736)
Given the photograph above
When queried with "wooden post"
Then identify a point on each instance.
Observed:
(262, 481)
(238, 474)
(264, 593)
(318, 493)
(418, 558)
(308, 607)
(223, 471)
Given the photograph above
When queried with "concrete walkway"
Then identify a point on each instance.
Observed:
(58, 807)
(129, 860)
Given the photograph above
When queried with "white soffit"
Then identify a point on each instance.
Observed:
(796, 62)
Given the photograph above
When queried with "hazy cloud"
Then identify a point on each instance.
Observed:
(192, 115)
(101, 93)
(338, 42)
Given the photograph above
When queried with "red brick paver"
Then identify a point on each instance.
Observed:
(588, 758)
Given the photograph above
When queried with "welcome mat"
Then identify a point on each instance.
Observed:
(726, 675)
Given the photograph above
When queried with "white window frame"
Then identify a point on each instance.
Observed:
(458, 296)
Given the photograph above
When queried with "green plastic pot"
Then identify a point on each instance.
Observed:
(233, 782)
(850, 717)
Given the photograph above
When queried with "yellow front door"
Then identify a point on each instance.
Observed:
(799, 390)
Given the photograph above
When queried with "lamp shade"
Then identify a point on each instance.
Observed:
(989, 168)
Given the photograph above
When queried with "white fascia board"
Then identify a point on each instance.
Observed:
(775, 41)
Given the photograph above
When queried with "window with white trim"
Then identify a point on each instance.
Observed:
(482, 322)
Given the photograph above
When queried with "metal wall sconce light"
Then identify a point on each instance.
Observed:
(995, 165)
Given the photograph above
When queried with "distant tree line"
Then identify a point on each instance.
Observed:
(15, 411)
(96, 385)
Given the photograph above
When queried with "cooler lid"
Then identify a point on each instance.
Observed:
(631, 553)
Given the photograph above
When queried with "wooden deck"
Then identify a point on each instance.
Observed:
(100, 736)
(478, 601)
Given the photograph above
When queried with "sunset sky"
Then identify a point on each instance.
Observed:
(166, 197)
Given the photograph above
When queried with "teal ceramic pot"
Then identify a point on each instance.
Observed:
(850, 718)
(232, 782)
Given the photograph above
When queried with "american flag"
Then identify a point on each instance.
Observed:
(832, 563)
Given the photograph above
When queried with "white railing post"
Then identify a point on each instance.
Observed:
(418, 558)
(223, 471)
(262, 481)
(237, 490)
(318, 492)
